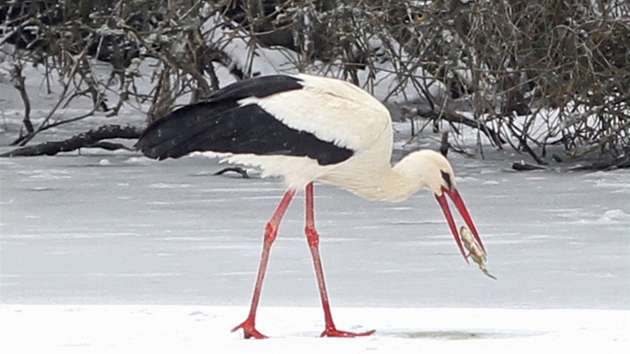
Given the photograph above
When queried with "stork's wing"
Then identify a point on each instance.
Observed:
(222, 124)
(326, 120)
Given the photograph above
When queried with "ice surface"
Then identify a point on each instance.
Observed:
(75, 230)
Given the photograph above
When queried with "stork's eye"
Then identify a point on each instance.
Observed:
(447, 179)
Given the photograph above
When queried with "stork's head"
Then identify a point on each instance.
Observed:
(436, 174)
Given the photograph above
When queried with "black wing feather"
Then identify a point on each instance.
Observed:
(259, 87)
(222, 125)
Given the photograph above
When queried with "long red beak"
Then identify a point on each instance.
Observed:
(461, 207)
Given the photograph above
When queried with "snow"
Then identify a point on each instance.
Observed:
(103, 251)
(202, 329)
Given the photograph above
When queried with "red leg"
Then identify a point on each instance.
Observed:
(271, 231)
(313, 243)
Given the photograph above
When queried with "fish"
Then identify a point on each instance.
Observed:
(475, 251)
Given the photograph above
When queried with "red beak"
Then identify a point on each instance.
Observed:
(461, 207)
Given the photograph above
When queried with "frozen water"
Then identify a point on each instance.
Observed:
(76, 230)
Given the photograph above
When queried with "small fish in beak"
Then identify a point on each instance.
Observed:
(475, 251)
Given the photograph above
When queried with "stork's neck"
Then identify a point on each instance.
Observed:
(382, 182)
(394, 184)
(375, 179)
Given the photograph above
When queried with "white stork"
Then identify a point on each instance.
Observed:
(305, 128)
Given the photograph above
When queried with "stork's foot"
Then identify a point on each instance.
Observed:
(334, 332)
(249, 330)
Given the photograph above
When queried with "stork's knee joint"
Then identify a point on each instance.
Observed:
(270, 233)
(311, 236)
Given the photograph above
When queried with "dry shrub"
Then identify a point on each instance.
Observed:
(534, 75)
(545, 73)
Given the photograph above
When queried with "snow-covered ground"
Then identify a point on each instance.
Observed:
(202, 329)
